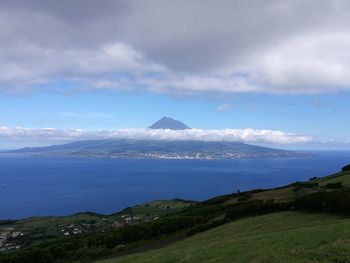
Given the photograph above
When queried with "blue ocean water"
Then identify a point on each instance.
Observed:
(61, 186)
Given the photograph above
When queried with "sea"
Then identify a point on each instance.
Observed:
(43, 186)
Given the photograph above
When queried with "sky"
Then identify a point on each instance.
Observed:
(272, 72)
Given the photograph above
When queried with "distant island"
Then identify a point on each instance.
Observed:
(158, 149)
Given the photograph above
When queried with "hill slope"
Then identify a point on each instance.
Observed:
(156, 149)
(278, 237)
(275, 237)
(46, 228)
(254, 226)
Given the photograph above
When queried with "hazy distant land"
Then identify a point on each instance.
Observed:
(157, 149)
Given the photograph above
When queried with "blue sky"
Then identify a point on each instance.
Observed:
(82, 70)
(115, 110)
(321, 116)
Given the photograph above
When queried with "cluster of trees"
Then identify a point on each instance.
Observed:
(256, 208)
(150, 231)
(336, 201)
(336, 185)
(301, 185)
(346, 168)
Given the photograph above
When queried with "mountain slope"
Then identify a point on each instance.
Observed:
(169, 123)
(157, 149)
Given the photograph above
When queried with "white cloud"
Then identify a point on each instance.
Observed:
(238, 135)
(309, 63)
(185, 46)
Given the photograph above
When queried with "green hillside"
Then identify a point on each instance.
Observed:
(277, 237)
(301, 222)
(36, 230)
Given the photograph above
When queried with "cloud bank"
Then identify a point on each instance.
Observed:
(235, 135)
(185, 46)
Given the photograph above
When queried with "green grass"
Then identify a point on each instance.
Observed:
(45, 228)
(340, 177)
(282, 195)
(287, 194)
(278, 237)
(159, 207)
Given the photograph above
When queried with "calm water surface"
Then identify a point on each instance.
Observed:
(61, 186)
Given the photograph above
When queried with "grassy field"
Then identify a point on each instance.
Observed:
(278, 237)
(39, 229)
(158, 207)
(343, 177)
(287, 194)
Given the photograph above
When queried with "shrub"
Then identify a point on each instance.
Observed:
(334, 185)
(313, 178)
(337, 201)
(256, 208)
(58, 252)
(346, 168)
(299, 186)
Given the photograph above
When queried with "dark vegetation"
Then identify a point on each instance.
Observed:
(346, 168)
(316, 195)
(257, 208)
(337, 201)
(6, 222)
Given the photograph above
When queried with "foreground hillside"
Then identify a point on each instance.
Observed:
(16, 234)
(301, 222)
(277, 237)
(280, 236)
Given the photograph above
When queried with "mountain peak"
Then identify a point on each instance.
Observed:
(169, 123)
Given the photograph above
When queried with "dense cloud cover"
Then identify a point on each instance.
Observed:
(50, 135)
(182, 47)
